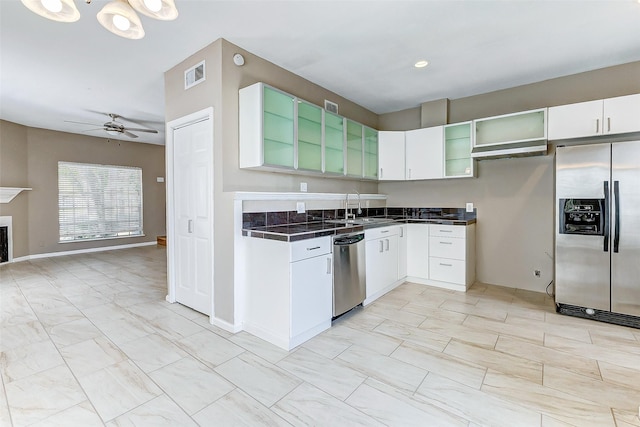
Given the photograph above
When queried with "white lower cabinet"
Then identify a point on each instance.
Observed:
(381, 249)
(441, 255)
(417, 252)
(402, 251)
(452, 255)
(289, 289)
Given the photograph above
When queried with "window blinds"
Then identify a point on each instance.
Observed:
(99, 201)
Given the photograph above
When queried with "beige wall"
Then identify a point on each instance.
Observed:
(220, 90)
(36, 163)
(514, 197)
(14, 173)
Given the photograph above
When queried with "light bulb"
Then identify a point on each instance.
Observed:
(54, 6)
(121, 22)
(421, 64)
(153, 5)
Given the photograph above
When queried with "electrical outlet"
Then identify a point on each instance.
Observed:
(300, 207)
(303, 187)
(469, 207)
(536, 273)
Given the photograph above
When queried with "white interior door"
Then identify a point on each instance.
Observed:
(193, 215)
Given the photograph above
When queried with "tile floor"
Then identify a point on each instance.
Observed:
(89, 340)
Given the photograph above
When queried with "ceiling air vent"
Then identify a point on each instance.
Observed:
(331, 106)
(194, 75)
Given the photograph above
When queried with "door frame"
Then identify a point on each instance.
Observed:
(198, 116)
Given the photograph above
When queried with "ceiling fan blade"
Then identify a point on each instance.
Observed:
(141, 130)
(83, 123)
(91, 130)
(129, 134)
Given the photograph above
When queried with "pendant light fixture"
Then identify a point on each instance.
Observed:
(118, 16)
(56, 10)
(164, 10)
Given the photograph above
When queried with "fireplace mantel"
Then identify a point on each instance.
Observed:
(8, 193)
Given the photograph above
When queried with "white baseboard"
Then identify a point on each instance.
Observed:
(223, 324)
(82, 251)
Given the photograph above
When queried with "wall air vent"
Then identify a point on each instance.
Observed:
(194, 75)
(331, 106)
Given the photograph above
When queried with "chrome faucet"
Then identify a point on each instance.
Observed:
(347, 209)
(348, 206)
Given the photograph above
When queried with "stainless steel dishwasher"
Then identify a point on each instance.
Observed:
(348, 272)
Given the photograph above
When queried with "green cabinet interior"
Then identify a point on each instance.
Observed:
(333, 143)
(370, 153)
(309, 137)
(278, 128)
(354, 148)
(457, 150)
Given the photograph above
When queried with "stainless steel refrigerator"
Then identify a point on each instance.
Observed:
(597, 268)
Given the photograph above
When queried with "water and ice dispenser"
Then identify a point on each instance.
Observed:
(582, 216)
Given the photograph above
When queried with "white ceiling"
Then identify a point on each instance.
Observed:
(362, 50)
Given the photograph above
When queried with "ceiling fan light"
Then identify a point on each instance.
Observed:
(112, 132)
(56, 10)
(164, 10)
(119, 18)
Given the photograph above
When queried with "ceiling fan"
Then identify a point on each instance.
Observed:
(115, 128)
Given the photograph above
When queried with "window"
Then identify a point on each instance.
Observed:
(98, 201)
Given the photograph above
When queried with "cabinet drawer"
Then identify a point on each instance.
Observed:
(310, 248)
(447, 230)
(376, 233)
(447, 247)
(447, 270)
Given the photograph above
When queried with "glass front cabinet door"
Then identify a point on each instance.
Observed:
(278, 128)
(267, 128)
(354, 149)
(333, 143)
(370, 153)
(309, 137)
(457, 151)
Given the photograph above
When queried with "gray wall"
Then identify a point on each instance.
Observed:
(30, 158)
(14, 173)
(514, 197)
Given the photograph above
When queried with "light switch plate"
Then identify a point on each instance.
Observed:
(469, 207)
(300, 207)
(160, 179)
(303, 187)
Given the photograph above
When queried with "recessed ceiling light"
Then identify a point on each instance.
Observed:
(421, 64)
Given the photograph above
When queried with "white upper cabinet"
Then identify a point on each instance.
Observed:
(391, 152)
(621, 114)
(424, 153)
(593, 118)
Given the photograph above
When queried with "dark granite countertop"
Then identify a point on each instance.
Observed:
(333, 226)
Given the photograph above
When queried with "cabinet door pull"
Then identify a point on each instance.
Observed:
(608, 124)
(386, 243)
(446, 231)
(313, 248)
(328, 265)
(384, 231)
(401, 231)
(446, 243)
(381, 246)
(446, 265)
(381, 173)
(190, 226)
(409, 173)
(597, 125)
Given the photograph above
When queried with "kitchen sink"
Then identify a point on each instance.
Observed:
(360, 221)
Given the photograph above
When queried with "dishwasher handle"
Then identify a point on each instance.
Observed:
(348, 240)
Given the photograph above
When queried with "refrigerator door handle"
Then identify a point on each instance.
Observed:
(616, 202)
(606, 216)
